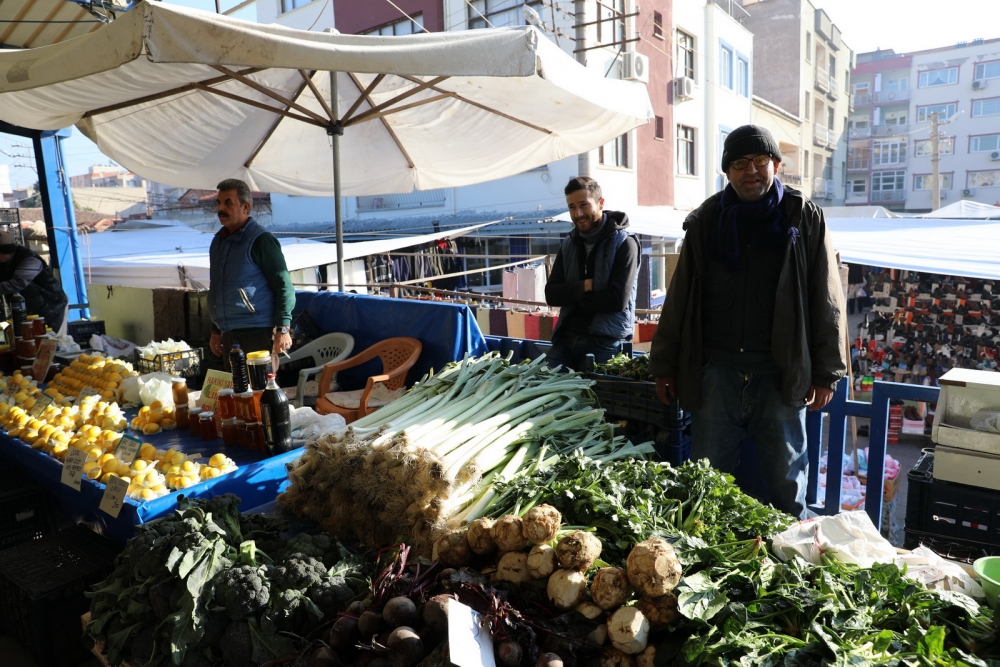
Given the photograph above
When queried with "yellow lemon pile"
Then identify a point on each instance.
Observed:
(94, 371)
(154, 418)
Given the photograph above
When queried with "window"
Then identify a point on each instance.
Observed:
(886, 181)
(723, 135)
(859, 187)
(726, 67)
(611, 20)
(289, 5)
(923, 181)
(924, 147)
(658, 25)
(685, 151)
(401, 27)
(615, 153)
(658, 128)
(938, 77)
(990, 107)
(743, 77)
(862, 88)
(830, 113)
(888, 152)
(809, 47)
(498, 13)
(897, 85)
(805, 164)
(983, 179)
(944, 112)
(984, 144)
(808, 106)
(685, 54)
(895, 118)
(988, 70)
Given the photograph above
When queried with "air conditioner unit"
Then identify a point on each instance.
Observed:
(635, 67)
(995, 155)
(979, 84)
(968, 192)
(944, 194)
(683, 88)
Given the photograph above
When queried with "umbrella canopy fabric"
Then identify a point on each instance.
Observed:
(186, 97)
(965, 210)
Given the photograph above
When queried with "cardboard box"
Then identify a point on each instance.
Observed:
(964, 392)
(964, 466)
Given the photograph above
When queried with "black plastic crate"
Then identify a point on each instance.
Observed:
(81, 330)
(637, 400)
(951, 511)
(187, 364)
(949, 547)
(27, 511)
(676, 451)
(41, 592)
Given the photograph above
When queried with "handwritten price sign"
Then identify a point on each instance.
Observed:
(128, 449)
(114, 496)
(72, 471)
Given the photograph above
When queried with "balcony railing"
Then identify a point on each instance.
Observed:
(823, 188)
(859, 132)
(733, 8)
(822, 80)
(824, 136)
(884, 130)
(886, 97)
(862, 99)
(888, 195)
(858, 163)
(850, 102)
(790, 179)
(834, 92)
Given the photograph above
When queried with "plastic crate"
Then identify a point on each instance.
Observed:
(41, 592)
(951, 511)
(186, 364)
(637, 400)
(676, 451)
(81, 330)
(27, 511)
(948, 547)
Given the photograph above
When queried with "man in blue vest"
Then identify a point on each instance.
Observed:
(250, 298)
(593, 280)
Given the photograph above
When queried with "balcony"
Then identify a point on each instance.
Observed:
(858, 163)
(824, 137)
(891, 96)
(823, 188)
(862, 99)
(733, 8)
(888, 196)
(822, 82)
(834, 92)
(850, 101)
(790, 179)
(859, 132)
(896, 130)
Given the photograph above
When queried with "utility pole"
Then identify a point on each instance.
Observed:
(580, 8)
(935, 164)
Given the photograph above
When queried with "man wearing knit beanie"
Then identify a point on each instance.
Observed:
(24, 271)
(753, 331)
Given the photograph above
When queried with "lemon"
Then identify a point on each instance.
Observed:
(217, 460)
(94, 473)
(147, 451)
(111, 465)
(151, 429)
(148, 494)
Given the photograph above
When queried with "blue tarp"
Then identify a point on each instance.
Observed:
(447, 331)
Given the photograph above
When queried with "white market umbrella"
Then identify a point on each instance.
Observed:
(187, 98)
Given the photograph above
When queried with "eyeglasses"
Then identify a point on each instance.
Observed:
(742, 163)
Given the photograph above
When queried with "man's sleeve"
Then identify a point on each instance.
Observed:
(266, 253)
(827, 314)
(614, 298)
(23, 275)
(665, 349)
(558, 292)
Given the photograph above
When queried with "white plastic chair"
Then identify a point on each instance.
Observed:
(328, 348)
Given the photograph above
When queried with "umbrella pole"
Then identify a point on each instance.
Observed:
(336, 131)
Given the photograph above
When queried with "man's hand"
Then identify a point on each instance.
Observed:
(282, 342)
(665, 389)
(818, 397)
(588, 285)
(215, 343)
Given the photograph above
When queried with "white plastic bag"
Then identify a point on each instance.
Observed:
(930, 570)
(850, 537)
(986, 420)
(308, 424)
(156, 387)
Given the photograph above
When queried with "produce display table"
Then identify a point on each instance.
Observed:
(257, 481)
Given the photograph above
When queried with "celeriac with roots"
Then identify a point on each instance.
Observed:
(426, 462)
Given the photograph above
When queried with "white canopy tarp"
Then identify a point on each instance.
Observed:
(657, 221)
(951, 247)
(151, 258)
(965, 210)
(187, 97)
(858, 212)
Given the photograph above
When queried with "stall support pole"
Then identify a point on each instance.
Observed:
(336, 131)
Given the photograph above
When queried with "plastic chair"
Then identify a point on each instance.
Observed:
(328, 348)
(398, 356)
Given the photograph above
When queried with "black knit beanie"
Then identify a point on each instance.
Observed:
(749, 140)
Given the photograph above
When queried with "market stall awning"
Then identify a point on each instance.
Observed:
(951, 247)
(32, 23)
(658, 221)
(858, 212)
(965, 210)
(157, 257)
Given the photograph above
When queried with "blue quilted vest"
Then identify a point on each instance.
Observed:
(620, 325)
(232, 269)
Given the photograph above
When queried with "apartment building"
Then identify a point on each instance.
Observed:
(814, 87)
(896, 99)
(788, 130)
(711, 93)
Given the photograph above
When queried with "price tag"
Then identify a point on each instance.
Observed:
(84, 393)
(43, 360)
(73, 467)
(214, 381)
(114, 496)
(41, 403)
(128, 449)
(469, 643)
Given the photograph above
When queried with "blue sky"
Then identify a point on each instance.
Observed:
(902, 25)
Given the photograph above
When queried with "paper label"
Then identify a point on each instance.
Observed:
(128, 449)
(114, 496)
(85, 392)
(41, 403)
(214, 381)
(72, 471)
(43, 360)
(469, 642)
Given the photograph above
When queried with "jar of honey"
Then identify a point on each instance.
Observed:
(38, 325)
(247, 407)
(241, 433)
(194, 422)
(226, 404)
(229, 432)
(255, 437)
(179, 388)
(207, 424)
(182, 416)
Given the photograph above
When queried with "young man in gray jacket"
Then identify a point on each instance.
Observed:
(754, 327)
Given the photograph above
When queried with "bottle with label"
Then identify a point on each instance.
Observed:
(276, 418)
(19, 311)
(238, 363)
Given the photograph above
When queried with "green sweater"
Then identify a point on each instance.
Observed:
(266, 253)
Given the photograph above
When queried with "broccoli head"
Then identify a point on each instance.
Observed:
(331, 595)
(309, 545)
(225, 511)
(298, 572)
(290, 609)
(242, 590)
